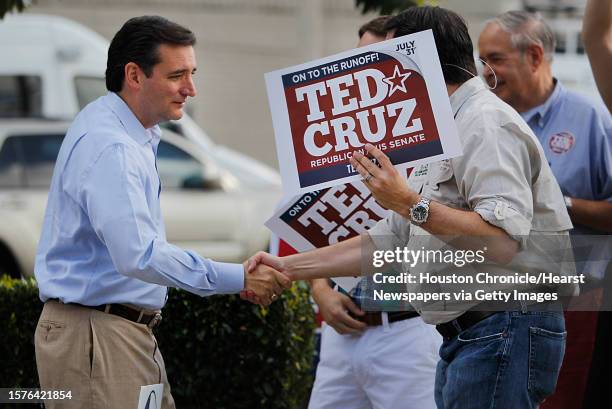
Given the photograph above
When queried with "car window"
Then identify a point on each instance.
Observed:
(88, 89)
(39, 155)
(179, 170)
(20, 96)
(11, 172)
(560, 42)
(580, 47)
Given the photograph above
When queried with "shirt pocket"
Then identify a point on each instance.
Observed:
(440, 185)
(418, 177)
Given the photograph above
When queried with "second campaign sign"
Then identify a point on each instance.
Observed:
(391, 94)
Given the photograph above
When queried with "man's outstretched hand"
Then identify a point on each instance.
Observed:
(263, 284)
(261, 264)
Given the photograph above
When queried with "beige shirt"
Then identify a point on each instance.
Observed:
(503, 176)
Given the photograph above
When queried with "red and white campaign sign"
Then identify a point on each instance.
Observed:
(390, 94)
(324, 217)
(328, 216)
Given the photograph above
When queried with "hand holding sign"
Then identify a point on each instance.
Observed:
(388, 187)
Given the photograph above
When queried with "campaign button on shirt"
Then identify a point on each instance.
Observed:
(561, 142)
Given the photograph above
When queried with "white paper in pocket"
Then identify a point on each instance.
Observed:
(151, 396)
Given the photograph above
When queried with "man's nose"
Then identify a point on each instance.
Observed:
(189, 88)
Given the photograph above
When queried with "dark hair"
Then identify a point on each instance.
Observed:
(138, 42)
(375, 26)
(450, 33)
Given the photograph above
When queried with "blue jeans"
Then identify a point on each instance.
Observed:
(510, 360)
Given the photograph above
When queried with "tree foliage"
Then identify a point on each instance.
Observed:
(220, 351)
(387, 6)
(10, 5)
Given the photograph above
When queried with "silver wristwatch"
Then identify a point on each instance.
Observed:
(420, 211)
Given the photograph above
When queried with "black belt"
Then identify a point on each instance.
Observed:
(132, 314)
(373, 319)
(471, 317)
(129, 313)
(452, 328)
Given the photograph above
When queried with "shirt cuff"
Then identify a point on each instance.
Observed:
(499, 213)
(230, 277)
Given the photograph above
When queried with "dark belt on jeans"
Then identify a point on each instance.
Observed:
(129, 313)
(452, 328)
(471, 317)
(373, 319)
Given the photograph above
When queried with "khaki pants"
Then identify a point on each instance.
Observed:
(101, 358)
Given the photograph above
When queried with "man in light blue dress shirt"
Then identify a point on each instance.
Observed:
(576, 134)
(103, 264)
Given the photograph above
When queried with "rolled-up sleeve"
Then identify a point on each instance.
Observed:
(495, 175)
(113, 196)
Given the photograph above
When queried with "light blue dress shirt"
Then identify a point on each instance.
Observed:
(576, 134)
(103, 237)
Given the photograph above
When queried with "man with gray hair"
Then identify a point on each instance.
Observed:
(517, 48)
(514, 44)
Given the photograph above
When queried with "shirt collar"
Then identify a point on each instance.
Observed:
(464, 92)
(129, 121)
(542, 110)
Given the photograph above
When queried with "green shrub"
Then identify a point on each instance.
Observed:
(220, 352)
(20, 308)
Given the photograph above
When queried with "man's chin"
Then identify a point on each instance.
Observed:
(176, 115)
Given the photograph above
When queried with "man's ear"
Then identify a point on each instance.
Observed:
(535, 56)
(133, 76)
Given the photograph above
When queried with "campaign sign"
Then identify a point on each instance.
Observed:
(151, 396)
(390, 94)
(323, 217)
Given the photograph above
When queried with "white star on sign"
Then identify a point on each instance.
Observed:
(397, 81)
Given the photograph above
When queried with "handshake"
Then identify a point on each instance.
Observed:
(265, 278)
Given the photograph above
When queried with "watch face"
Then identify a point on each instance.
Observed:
(419, 214)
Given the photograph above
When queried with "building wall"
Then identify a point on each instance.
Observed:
(240, 40)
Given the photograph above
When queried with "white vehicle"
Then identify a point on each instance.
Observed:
(204, 207)
(51, 67)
